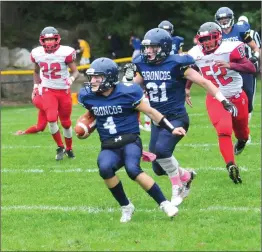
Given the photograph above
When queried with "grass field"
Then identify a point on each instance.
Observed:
(65, 206)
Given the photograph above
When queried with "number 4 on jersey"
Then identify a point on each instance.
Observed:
(110, 125)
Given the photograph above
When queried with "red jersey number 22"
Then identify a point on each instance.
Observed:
(209, 73)
(54, 67)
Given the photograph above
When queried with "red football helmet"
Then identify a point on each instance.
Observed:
(209, 37)
(50, 46)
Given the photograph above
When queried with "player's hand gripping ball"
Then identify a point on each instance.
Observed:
(85, 125)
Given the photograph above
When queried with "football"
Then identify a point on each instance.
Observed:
(85, 125)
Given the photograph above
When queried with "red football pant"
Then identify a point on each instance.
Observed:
(224, 123)
(57, 103)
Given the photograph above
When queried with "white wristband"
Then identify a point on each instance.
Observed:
(256, 54)
(72, 78)
(219, 96)
(36, 85)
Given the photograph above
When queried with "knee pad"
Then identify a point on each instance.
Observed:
(67, 132)
(160, 151)
(51, 116)
(158, 170)
(133, 171)
(53, 127)
(105, 170)
(223, 129)
(66, 124)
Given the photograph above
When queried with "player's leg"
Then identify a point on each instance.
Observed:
(109, 161)
(132, 156)
(50, 106)
(240, 123)
(249, 88)
(147, 120)
(42, 118)
(64, 113)
(164, 148)
(222, 121)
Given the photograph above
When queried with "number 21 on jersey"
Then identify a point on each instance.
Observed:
(157, 93)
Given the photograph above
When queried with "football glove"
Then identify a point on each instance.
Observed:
(230, 107)
(129, 71)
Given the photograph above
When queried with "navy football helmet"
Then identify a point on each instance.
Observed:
(161, 40)
(166, 25)
(224, 17)
(50, 33)
(209, 37)
(106, 68)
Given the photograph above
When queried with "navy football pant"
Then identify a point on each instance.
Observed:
(111, 160)
(163, 143)
(249, 86)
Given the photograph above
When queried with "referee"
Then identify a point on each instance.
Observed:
(251, 88)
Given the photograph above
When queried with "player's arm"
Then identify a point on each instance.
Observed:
(70, 61)
(246, 36)
(37, 80)
(159, 119)
(238, 61)
(189, 84)
(181, 44)
(194, 76)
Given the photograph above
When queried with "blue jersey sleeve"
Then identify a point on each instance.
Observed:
(244, 31)
(183, 62)
(82, 98)
(137, 61)
(133, 93)
(181, 41)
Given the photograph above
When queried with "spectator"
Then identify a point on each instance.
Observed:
(84, 48)
(135, 42)
(115, 46)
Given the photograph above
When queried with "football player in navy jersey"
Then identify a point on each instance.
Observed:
(164, 78)
(239, 32)
(115, 106)
(177, 42)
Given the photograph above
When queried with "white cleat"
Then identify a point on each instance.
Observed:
(127, 212)
(177, 198)
(169, 208)
(147, 127)
(249, 140)
(187, 184)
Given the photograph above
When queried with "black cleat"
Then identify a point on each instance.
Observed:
(59, 153)
(70, 154)
(239, 146)
(233, 172)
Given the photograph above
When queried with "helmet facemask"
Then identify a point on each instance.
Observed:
(50, 46)
(152, 53)
(225, 22)
(99, 86)
(209, 41)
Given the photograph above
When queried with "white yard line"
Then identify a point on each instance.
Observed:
(97, 210)
(200, 145)
(81, 170)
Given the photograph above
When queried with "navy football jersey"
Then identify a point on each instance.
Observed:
(237, 33)
(164, 82)
(177, 42)
(115, 114)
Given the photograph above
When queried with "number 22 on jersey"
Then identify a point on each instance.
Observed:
(54, 69)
